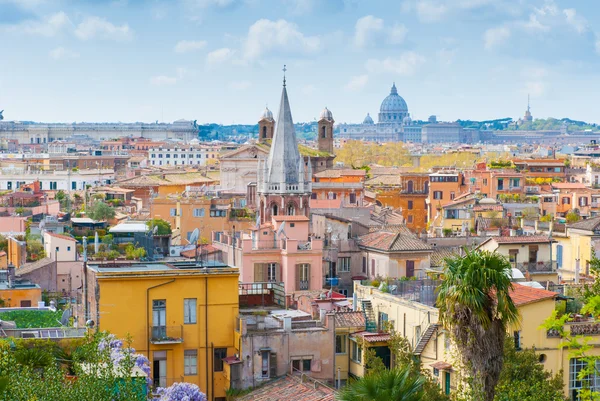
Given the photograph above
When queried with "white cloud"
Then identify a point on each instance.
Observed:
(92, 27)
(370, 30)
(578, 22)
(163, 80)
(430, 11)
(398, 34)
(240, 85)
(48, 26)
(185, 46)
(357, 83)
(406, 64)
(219, 56)
(495, 36)
(534, 24)
(266, 36)
(62, 53)
(366, 29)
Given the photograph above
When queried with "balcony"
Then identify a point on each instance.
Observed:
(536, 267)
(166, 334)
(304, 285)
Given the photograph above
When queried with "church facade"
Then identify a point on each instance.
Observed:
(394, 123)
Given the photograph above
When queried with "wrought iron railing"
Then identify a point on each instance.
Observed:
(166, 334)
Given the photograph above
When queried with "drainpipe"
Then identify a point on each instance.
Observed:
(148, 312)
(206, 330)
(212, 373)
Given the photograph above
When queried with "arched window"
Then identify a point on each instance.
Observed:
(291, 210)
(409, 187)
(274, 210)
(323, 134)
(264, 132)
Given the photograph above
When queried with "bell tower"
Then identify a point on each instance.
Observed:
(266, 126)
(325, 131)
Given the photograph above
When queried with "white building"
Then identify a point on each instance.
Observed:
(175, 155)
(60, 248)
(66, 180)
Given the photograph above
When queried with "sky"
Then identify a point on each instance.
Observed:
(221, 60)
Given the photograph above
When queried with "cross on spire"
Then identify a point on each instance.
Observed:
(284, 70)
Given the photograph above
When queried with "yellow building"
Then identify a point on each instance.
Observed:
(180, 315)
(411, 310)
(574, 251)
(346, 325)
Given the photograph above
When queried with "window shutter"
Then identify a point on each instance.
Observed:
(193, 312)
(259, 273)
(273, 364)
(278, 273)
(186, 311)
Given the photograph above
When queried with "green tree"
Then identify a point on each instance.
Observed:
(100, 211)
(523, 378)
(400, 384)
(475, 306)
(164, 227)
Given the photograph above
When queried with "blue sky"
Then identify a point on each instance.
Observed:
(221, 60)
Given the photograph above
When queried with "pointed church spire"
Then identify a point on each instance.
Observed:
(284, 70)
(282, 164)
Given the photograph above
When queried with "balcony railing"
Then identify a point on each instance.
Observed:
(166, 334)
(536, 267)
(304, 284)
(46, 334)
(304, 245)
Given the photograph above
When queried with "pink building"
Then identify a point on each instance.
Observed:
(279, 249)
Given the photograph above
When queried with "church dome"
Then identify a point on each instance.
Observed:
(267, 114)
(393, 108)
(407, 120)
(326, 114)
(368, 119)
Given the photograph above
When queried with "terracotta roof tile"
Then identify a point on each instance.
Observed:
(387, 241)
(522, 239)
(290, 218)
(290, 388)
(523, 295)
(587, 224)
(61, 236)
(350, 319)
(373, 337)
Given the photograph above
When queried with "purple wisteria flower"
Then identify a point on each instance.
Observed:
(181, 392)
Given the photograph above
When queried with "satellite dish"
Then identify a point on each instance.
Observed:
(194, 237)
(66, 315)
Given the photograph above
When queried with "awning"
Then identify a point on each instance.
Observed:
(441, 365)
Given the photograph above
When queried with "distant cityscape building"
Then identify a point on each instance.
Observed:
(174, 155)
(33, 133)
(394, 123)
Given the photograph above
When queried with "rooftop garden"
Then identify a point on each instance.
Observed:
(27, 319)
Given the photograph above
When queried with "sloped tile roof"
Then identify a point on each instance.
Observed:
(588, 224)
(349, 319)
(61, 236)
(441, 253)
(290, 388)
(387, 241)
(523, 295)
(373, 337)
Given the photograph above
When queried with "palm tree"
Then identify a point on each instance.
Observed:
(475, 306)
(399, 384)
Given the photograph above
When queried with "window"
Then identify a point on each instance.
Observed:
(485, 181)
(73, 185)
(515, 182)
(352, 197)
(189, 311)
(583, 201)
(517, 336)
(190, 362)
(301, 365)
(218, 355)
(364, 264)
(356, 354)
(340, 343)
(512, 255)
(410, 204)
(343, 265)
(68, 249)
(410, 218)
(173, 212)
(452, 195)
(566, 200)
(591, 382)
(272, 272)
(409, 187)
(437, 195)
(410, 268)
(199, 212)
(264, 363)
(500, 184)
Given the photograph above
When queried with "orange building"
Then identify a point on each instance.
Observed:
(493, 182)
(406, 192)
(185, 214)
(444, 187)
(344, 184)
(21, 293)
(542, 168)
